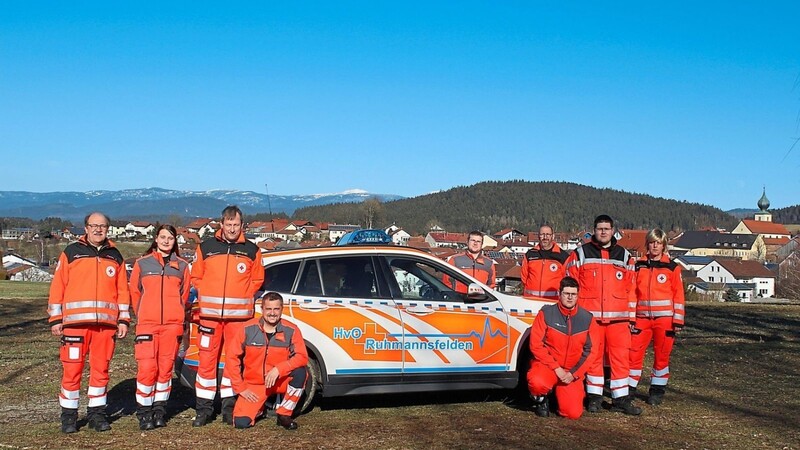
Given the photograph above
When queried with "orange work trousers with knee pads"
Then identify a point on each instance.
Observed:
(542, 379)
(76, 343)
(661, 332)
(211, 338)
(290, 386)
(155, 349)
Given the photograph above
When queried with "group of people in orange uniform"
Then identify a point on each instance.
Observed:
(608, 308)
(90, 305)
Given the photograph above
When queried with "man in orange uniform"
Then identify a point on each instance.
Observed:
(267, 356)
(659, 314)
(159, 288)
(562, 350)
(89, 307)
(227, 272)
(605, 272)
(543, 267)
(472, 262)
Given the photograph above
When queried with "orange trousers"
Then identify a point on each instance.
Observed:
(542, 379)
(155, 349)
(211, 338)
(614, 342)
(661, 333)
(290, 386)
(76, 343)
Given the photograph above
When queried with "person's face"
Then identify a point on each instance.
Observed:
(232, 227)
(546, 237)
(568, 297)
(272, 310)
(475, 244)
(165, 241)
(603, 232)
(96, 229)
(655, 249)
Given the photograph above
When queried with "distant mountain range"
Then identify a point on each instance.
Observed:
(130, 203)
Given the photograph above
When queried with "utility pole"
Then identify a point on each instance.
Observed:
(269, 202)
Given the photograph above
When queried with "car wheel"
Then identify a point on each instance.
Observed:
(312, 387)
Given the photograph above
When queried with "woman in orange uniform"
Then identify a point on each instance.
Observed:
(159, 287)
(659, 314)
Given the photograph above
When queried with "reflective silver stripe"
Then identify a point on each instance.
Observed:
(54, 310)
(594, 379)
(631, 304)
(618, 383)
(633, 382)
(206, 382)
(238, 313)
(124, 315)
(658, 381)
(143, 388)
(592, 389)
(91, 304)
(230, 300)
(678, 317)
(210, 312)
(227, 312)
(661, 373)
(636, 373)
(655, 313)
(123, 307)
(542, 293)
(610, 315)
(655, 302)
(678, 306)
(89, 316)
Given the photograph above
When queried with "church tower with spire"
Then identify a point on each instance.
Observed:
(763, 204)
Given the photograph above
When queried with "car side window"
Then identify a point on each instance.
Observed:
(419, 280)
(280, 277)
(351, 277)
(310, 283)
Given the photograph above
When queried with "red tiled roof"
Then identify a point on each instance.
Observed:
(776, 241)
(634, 241)
(198, 223)
(141, 224)
(764, 227)
(744, 269)
(460, 238)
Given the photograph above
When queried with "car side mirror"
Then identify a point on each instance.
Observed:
(476, 293)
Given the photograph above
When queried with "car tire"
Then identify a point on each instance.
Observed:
(312, 387)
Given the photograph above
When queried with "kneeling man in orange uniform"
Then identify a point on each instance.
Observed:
(562, 351)
(268, 356)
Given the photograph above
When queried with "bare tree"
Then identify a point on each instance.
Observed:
(373, 209)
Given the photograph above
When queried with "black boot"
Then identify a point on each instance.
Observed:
(97, 418)
(204, 409)
(625, 405)
(656, 395)
(159, 412)
(287, 422)
(541, 407)
(69, 420)
(227, 410)
(594, 403)
(145, 416)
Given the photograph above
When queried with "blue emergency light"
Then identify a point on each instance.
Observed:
(365, 237)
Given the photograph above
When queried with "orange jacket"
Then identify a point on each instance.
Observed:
(89, 287)
(481, 268)
(159, 292)
(606, 277)
(251, 354)
(659, 289)
(542, 271)
(562, 338)
(227, 276)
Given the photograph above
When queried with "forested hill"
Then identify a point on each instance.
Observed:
(790, 214)
(492, 206)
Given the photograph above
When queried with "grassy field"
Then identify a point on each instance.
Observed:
(736, 369)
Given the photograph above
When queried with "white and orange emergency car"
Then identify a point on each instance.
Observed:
(377, 318)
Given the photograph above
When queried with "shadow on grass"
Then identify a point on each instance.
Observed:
(18, 318)
(122, 399)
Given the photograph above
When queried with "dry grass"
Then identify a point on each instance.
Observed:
(735, 385)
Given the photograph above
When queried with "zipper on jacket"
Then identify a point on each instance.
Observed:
(225, 281)
(162, 293)
(569, 340)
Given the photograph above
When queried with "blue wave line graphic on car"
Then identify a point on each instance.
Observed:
(487, 327)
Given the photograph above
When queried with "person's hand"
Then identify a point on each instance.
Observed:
(677, 328)
(249, 395)
(271, 378)
(57, 329)
(564, 376)
(122, 330)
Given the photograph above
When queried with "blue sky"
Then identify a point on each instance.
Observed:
(695, 101)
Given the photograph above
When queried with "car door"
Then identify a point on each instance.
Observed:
(444, 332)
(344, 310)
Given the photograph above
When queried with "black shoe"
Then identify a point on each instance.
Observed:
(158, 420)
(632, 392)
(287, 422)
(656, 396)
(201, 420)
(98, 422)
(541, 407)
(594, 403)
(227, 410)
(69, 420)
(146, 422)
(626, 406)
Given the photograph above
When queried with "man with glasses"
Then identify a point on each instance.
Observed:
(89, 308)
(562, 351)
(543, 267)
(606, 273)
(472, 262)
(227, 272)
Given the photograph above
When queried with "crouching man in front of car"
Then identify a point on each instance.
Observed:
(562, 353)
(267, 357)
